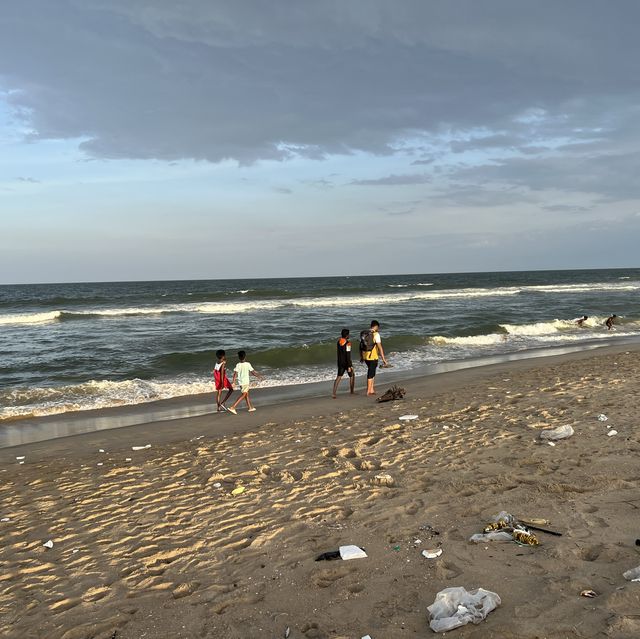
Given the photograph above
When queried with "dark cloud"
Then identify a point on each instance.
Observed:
(566, 208)
(395, 180)
(250, 80)
(607, 176)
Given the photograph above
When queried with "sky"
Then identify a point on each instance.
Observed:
(154, 139)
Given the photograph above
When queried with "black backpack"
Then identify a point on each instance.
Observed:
(366, 341)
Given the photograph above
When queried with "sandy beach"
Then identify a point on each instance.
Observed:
(160, 542)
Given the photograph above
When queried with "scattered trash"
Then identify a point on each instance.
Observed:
(287, 632)
(75, 550)
(407, 418)
(561, 432)
(367, 637)
(492, 536)
(100, 464)
(612, 432)
(602, 417)
(127, 458)
(344, 552)
(551, 443)
(352, 552)
(101, 450)
(238, 490)
(19, 458)
(417, 542)
(432, 554)
(396, 548)
(141, 447)
(637, 542)
(5, 519)
(525, 537)
(395, 392)
(505, 527)
(21, 462)
(384, 479)
(632, 575)
(455, 607)
(217, 485)
(48, 544)
(534, 521)
(589, 593)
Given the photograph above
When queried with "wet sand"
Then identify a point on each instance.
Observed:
(160, 546)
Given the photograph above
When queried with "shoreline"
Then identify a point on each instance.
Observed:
(177, 419)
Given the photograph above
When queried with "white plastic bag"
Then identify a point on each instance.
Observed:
(456, 607)
(496, 535)
(632, 575)
(562, 432)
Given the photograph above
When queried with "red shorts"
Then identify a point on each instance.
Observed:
(221, 381)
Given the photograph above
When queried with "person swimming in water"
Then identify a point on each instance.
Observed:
(610, 321)
(581, 320)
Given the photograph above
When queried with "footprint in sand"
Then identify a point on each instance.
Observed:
(326, 577)
(366, 464)
(313, 631)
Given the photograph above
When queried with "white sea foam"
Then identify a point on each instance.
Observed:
(554, 326)
(30, 318)
(583, 288)
(425, 283)
(398, 285)
(470, 340)
(93, 394)
(96, 394)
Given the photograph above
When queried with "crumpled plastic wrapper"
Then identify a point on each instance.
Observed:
(455, 607)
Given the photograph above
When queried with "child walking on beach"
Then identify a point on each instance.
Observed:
(242, 373)
(221, 380)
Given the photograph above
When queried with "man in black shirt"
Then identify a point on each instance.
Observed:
(344, 362)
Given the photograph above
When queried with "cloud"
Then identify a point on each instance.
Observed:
(608, 177)
(30, 180)
(567, 208)
(394, 180)
(283, 190)
(249, 80)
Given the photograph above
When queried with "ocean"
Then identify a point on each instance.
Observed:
(69, 347)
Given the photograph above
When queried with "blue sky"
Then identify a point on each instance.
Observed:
(151, 141)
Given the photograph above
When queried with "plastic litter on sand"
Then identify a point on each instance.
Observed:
(455, 607)
(632, 575)
(612, 432)
(141, 447)
(602, 417)
(238, 490)
(562, 432)
(408, 417)
(351, 552)
(432, 554)
(48, 544)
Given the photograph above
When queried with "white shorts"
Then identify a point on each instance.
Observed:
(244, 389)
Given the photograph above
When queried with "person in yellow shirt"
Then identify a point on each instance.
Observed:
(371, 352)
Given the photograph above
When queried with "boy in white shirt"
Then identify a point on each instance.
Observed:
(242, 373)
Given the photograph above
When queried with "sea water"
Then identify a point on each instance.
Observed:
(68, 347)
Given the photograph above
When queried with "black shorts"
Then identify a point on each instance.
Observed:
(372, 364)
(342, 369)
